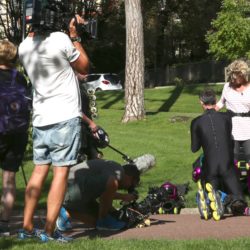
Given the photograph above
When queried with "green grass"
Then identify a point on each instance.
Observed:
(168, 141)
(97, 243)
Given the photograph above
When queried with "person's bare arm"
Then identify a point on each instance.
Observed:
(81, 64)
(125, 197)
(90, 122)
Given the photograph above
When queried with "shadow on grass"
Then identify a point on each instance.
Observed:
(114, 101)
(171, 100)
(13, 242)
(9, 243)
(175, 94)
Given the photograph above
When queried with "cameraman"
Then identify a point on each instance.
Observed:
(50, 59)
(99, 180)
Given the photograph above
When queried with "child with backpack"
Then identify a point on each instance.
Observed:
(14, 123)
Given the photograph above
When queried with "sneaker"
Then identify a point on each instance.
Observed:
(202, 202)
(238, 207)
(63, 223)
(215, 202)
(57, 236)
(110, 223)
(4, 228)
(24, 234)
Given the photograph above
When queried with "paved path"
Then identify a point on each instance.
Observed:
(187, 225)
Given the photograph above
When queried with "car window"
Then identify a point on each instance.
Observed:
(91, 78)
(112, 78)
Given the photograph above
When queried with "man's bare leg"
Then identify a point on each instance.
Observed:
(32, 194)
(55, 197)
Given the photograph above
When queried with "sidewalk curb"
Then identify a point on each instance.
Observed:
(189, 211)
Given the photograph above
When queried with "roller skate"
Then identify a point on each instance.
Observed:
(216, 203)
(92, 103)
(203, 202)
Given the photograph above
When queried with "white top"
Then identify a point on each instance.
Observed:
(238, 102)
(56, 95)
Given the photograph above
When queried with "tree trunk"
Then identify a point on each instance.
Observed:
(134, 77)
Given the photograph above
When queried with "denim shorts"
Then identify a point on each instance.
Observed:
(57, 144)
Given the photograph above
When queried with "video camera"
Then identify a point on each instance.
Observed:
(55, 15)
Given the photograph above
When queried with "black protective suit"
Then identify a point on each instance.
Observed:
(212, 132)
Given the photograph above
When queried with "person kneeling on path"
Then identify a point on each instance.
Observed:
(212, 132)
(92, 180)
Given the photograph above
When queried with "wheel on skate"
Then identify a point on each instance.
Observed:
(216, 216)
(91, 91)
(176, 210)
(161, 210)
(92, 97)
(93, 109)
(147, 222)
(92, 104)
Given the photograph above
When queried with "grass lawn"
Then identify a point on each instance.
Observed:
(165, 134)
(94, 244)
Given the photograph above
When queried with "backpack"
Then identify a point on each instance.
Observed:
(14, 106)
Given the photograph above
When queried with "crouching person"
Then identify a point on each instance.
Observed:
(92, 180)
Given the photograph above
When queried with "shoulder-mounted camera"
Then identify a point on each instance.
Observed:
(55, 15)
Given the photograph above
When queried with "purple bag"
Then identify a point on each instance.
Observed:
(14, 106)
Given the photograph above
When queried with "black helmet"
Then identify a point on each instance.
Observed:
(101, 138)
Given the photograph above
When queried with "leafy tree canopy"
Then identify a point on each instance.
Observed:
(230, 34)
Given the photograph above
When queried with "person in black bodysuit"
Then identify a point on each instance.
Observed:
(211, 131)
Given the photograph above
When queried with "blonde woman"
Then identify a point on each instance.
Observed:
(236, 97)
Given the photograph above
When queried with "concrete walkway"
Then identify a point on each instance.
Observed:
(185, 226)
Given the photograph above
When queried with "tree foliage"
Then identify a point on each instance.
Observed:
(11, 20)
(230, 34)
(195, 19)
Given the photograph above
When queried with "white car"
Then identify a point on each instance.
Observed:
(103, 82)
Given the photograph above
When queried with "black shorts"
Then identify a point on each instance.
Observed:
(75, 202)
(83, 192)
(245, 146)
(12, 148)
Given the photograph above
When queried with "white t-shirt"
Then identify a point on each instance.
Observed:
(238, 103)
(56, 95)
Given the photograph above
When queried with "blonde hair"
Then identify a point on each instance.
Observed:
(8, 53)
(238, 66)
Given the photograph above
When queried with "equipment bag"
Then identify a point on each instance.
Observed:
(14, 106)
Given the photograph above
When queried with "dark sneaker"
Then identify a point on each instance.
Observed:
(63, 222)
(23, 234)
(215, 202)
(238, 207)
(4, 228)
(202, 202)
(110, 223)
(57, 236)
